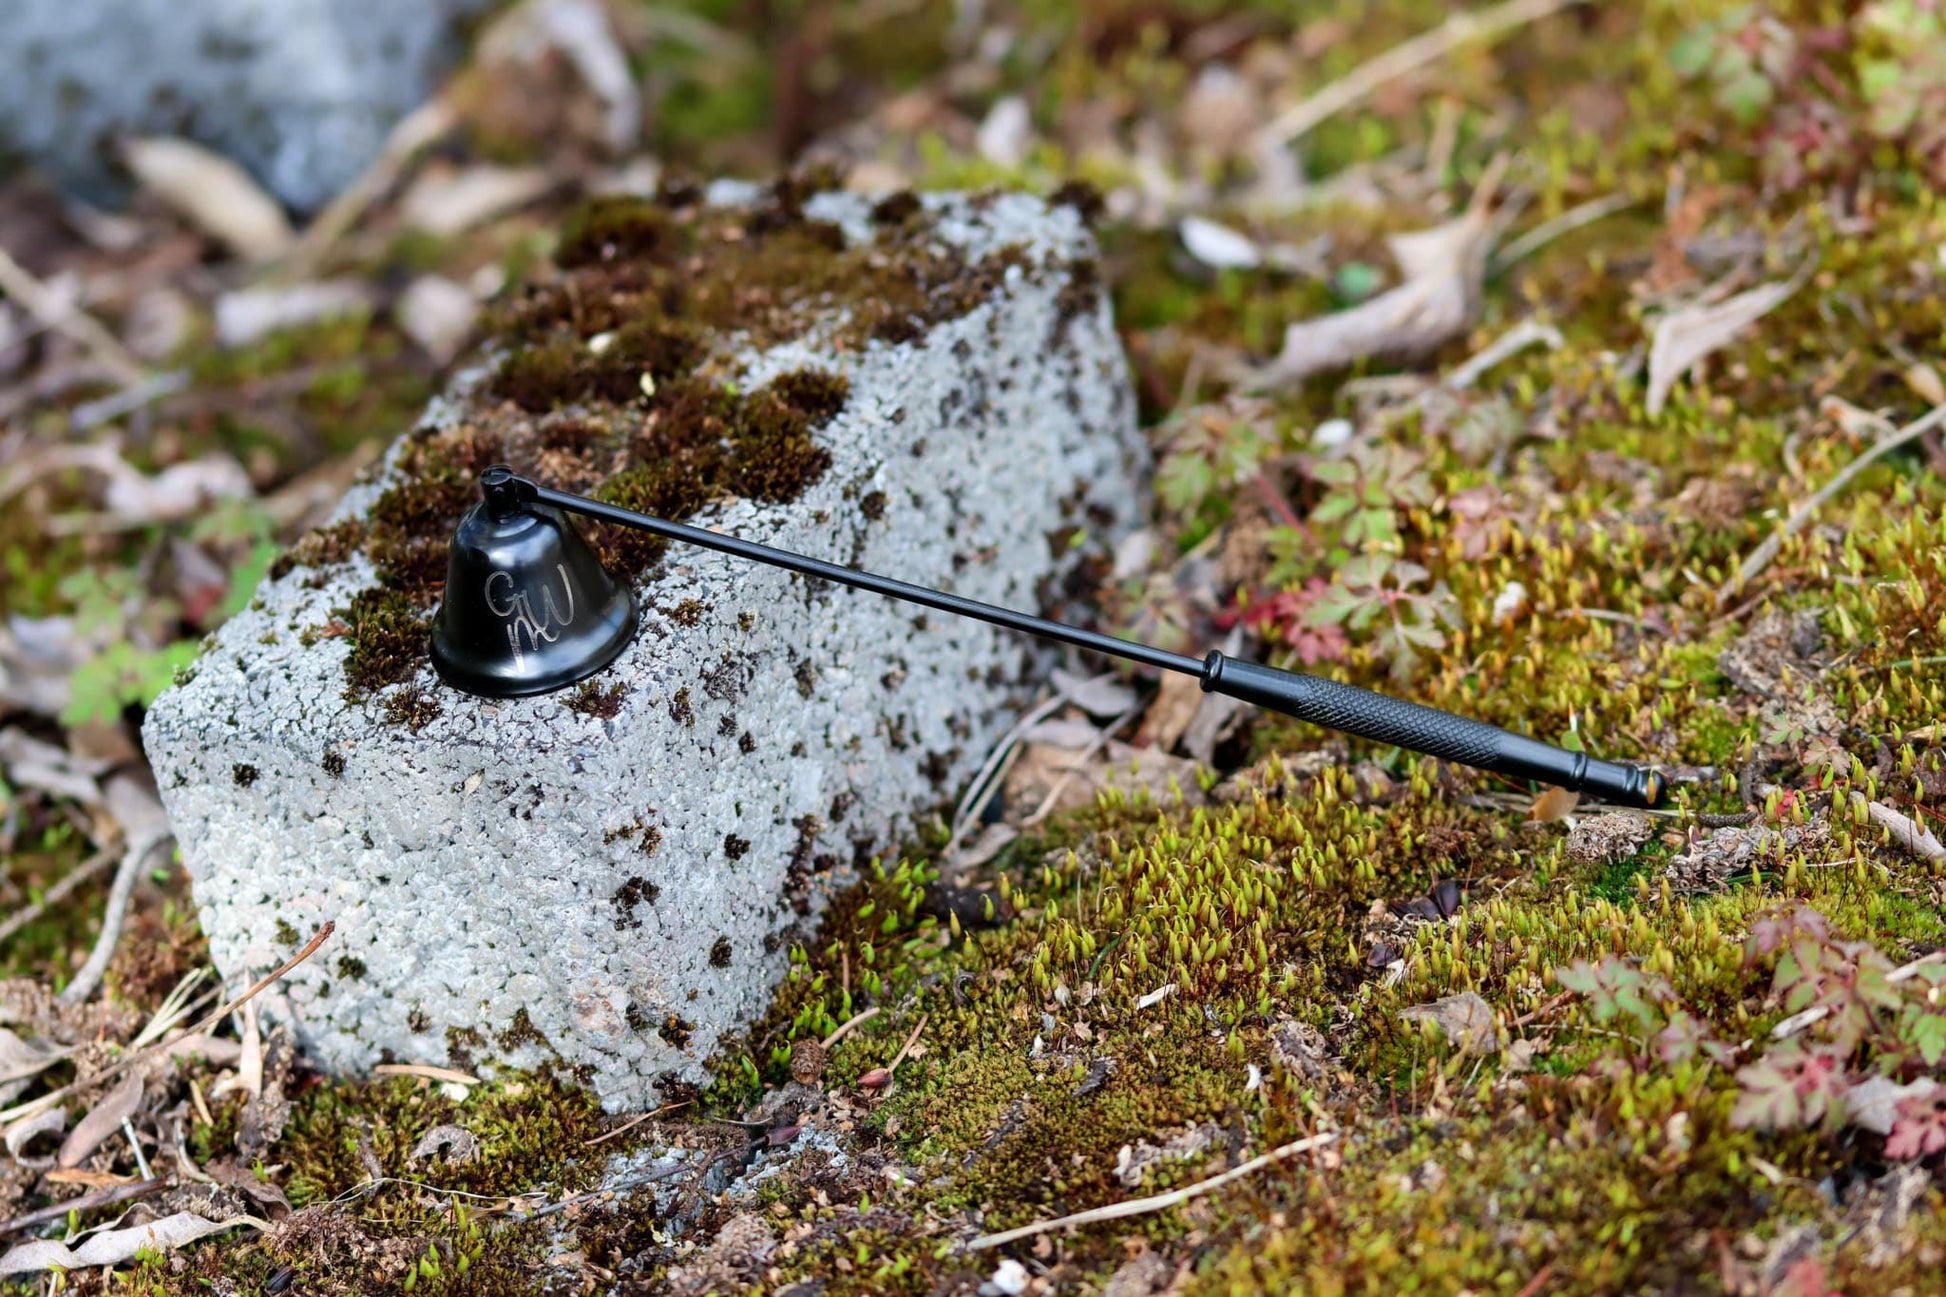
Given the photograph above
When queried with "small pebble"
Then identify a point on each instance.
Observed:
(1332, 432)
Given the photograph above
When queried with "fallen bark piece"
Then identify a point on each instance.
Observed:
(613, 875)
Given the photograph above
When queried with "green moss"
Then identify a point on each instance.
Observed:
(387, 639)
(610, 229)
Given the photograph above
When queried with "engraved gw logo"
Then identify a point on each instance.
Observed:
(518, 607)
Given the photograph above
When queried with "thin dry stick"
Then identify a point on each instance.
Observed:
(415, 131)
(425, 1071)
(1595, 209)
(978, 792)
(1160, 1202)
(1533, 1286)
(86, 1202)
(88, 977)
(906, 1048)
(127, 1061)
(80, 874)
(18, 283)
(1461, 29)
(845, 1030)
(1760, 558)
(633, 1122)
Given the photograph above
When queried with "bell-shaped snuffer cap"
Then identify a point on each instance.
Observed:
(527, 608)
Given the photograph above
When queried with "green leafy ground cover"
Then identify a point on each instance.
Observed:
(1686, 1069)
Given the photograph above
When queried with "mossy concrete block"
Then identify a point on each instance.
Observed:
(515, 881)
(301, 92)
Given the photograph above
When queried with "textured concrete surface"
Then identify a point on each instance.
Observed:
(301, 92)
(488, 876)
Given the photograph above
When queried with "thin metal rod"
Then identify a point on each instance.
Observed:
(1086, 639)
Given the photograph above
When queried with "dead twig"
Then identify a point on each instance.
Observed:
(633, 1122)
(1533, 1286)
(80, 874)
(19, 284)
(1595, 209)
(845, 1029)
(122, 1064)
(1761, 557)
(1462, 28)
(86, 1202)
(88, 977)
(416, 131)
(425, 1071)
(1159, 1202)
(910, 1041)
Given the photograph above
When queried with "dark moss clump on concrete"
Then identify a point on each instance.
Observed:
(896, 208)
(387, 637)
(610, 229)
(243, 775)
(411, 708)
(325, 547)
(606, 387)
(592, 699)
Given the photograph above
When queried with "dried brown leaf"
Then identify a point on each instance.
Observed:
(1443, 269)
(104, 1120)
(213, 194)
(1170, 714)
(1686, 335)
(112, 1247)
(1552, 805)
(266, 1114)
(445, 203)
(21, 1134)
(1103, 695)
(454, 1143)
(1465, 1019)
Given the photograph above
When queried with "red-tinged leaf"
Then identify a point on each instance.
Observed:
(1790, 1088)
(1774, 930)
(1919, 1129)
(1688, 1037)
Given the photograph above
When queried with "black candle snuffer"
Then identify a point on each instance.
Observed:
(528, 609)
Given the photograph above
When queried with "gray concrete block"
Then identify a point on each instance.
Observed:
(301, 92)
(487, 874)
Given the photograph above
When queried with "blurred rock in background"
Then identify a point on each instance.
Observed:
(301, 92)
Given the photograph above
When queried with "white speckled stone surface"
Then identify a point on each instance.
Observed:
(490, 865)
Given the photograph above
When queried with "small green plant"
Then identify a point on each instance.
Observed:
(1378, 596)
(111, 606)
(1744, 56)
(122, 675)
(1213, 448)
(1858, 1041)
(1901, 62)
(1368, 488)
